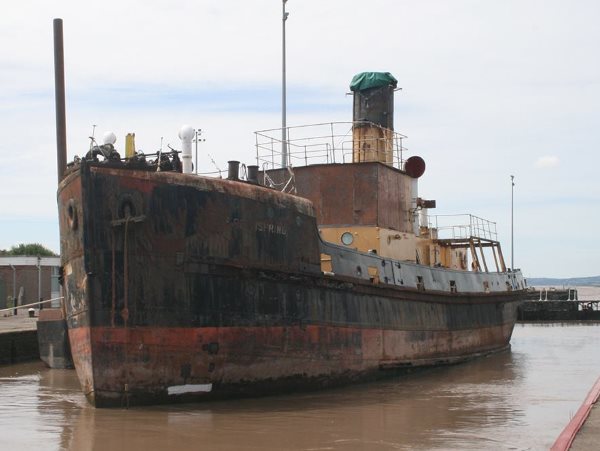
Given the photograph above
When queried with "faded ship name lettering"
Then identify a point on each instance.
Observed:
(276, 229)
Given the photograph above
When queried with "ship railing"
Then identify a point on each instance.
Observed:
(463, 226)
(322, 143)
(477, 235)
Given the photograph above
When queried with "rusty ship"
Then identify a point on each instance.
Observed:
(323, 268)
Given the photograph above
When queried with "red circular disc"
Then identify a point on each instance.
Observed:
(415, 167)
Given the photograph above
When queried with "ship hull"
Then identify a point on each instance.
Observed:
(164, 373)
(204, 289)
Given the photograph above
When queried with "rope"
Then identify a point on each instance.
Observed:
(126, 313)
(114, 292)
(125, 275)
(29, 305)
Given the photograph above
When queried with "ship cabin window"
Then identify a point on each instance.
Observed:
(420, 283)
(486, 286)
(453, 288)
(508, 286)
(347, 238)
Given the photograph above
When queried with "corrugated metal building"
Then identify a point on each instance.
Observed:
(28, 279)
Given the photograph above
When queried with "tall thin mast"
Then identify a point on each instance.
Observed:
(512, 223)
(284, 147)
(59, 96)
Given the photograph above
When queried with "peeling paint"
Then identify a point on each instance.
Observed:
(189, 388)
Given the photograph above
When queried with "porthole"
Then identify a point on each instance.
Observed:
(72, 214)
(347, 238)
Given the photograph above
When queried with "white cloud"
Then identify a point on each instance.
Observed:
(547, 161)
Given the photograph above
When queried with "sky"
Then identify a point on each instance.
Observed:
(490, 89)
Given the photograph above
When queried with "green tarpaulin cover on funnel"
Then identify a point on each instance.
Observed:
(368, 80)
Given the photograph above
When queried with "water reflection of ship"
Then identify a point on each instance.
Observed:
(424, 410)
(60, 402)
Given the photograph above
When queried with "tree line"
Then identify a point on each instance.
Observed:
(31, 249)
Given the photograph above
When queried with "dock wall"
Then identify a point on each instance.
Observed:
(558, 311)
(18, 346)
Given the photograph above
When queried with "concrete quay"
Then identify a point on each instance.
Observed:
(18, 338)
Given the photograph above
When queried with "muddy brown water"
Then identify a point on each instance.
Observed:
(515, 400)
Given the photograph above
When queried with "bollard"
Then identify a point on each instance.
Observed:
(31, 312)
(11, 303)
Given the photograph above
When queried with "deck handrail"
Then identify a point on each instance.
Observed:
(321, 143)
(470, 227)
